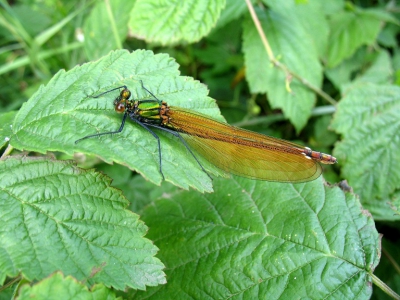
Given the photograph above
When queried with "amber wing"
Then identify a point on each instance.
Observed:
(242, 152)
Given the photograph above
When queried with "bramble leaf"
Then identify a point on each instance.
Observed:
(317, 27)
(63, 111)
(58, 217)
(57, 286)
(349, 31)
(252, 240)
(173, 21)
(368, 117)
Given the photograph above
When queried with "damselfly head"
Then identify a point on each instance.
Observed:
(120, 103)
(120, 106)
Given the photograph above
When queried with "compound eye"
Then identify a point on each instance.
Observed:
(119, 107)
(125, 94)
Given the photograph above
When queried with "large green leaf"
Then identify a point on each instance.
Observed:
(290, 40)
(105, 29)
(62, 111)
(263, 240)
(368, 117)
(174, 21)
(55, 216)
(311, 17)
(349, 31)
(59, 287)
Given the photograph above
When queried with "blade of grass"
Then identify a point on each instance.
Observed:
(25, 60)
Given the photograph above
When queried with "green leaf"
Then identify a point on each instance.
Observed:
(34, 21)
(382, 209)
(232, 11)
(396, 65)
(344, 72)
(47, 34)
(59, 287)
(289, 40)
(136, 189)
(388, 36)
(375, 68)
(380, 71)
(322, 135)
(105, 29)
(384, 15)
(368, 118)
(317, 26)
(221, 55)
(63, 111)
(252, 238)
(395, 203)
(173, 21)
(59, 217)
(142, 193)
(349, 31)
(332, 6)
(6, 120)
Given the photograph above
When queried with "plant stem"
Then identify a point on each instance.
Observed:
(23, 61)
(10, 283)
(384, 287)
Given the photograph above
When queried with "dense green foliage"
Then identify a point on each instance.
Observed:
(327, 76)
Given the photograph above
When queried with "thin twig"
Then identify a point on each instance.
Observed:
(10, 283)
(392, 260)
